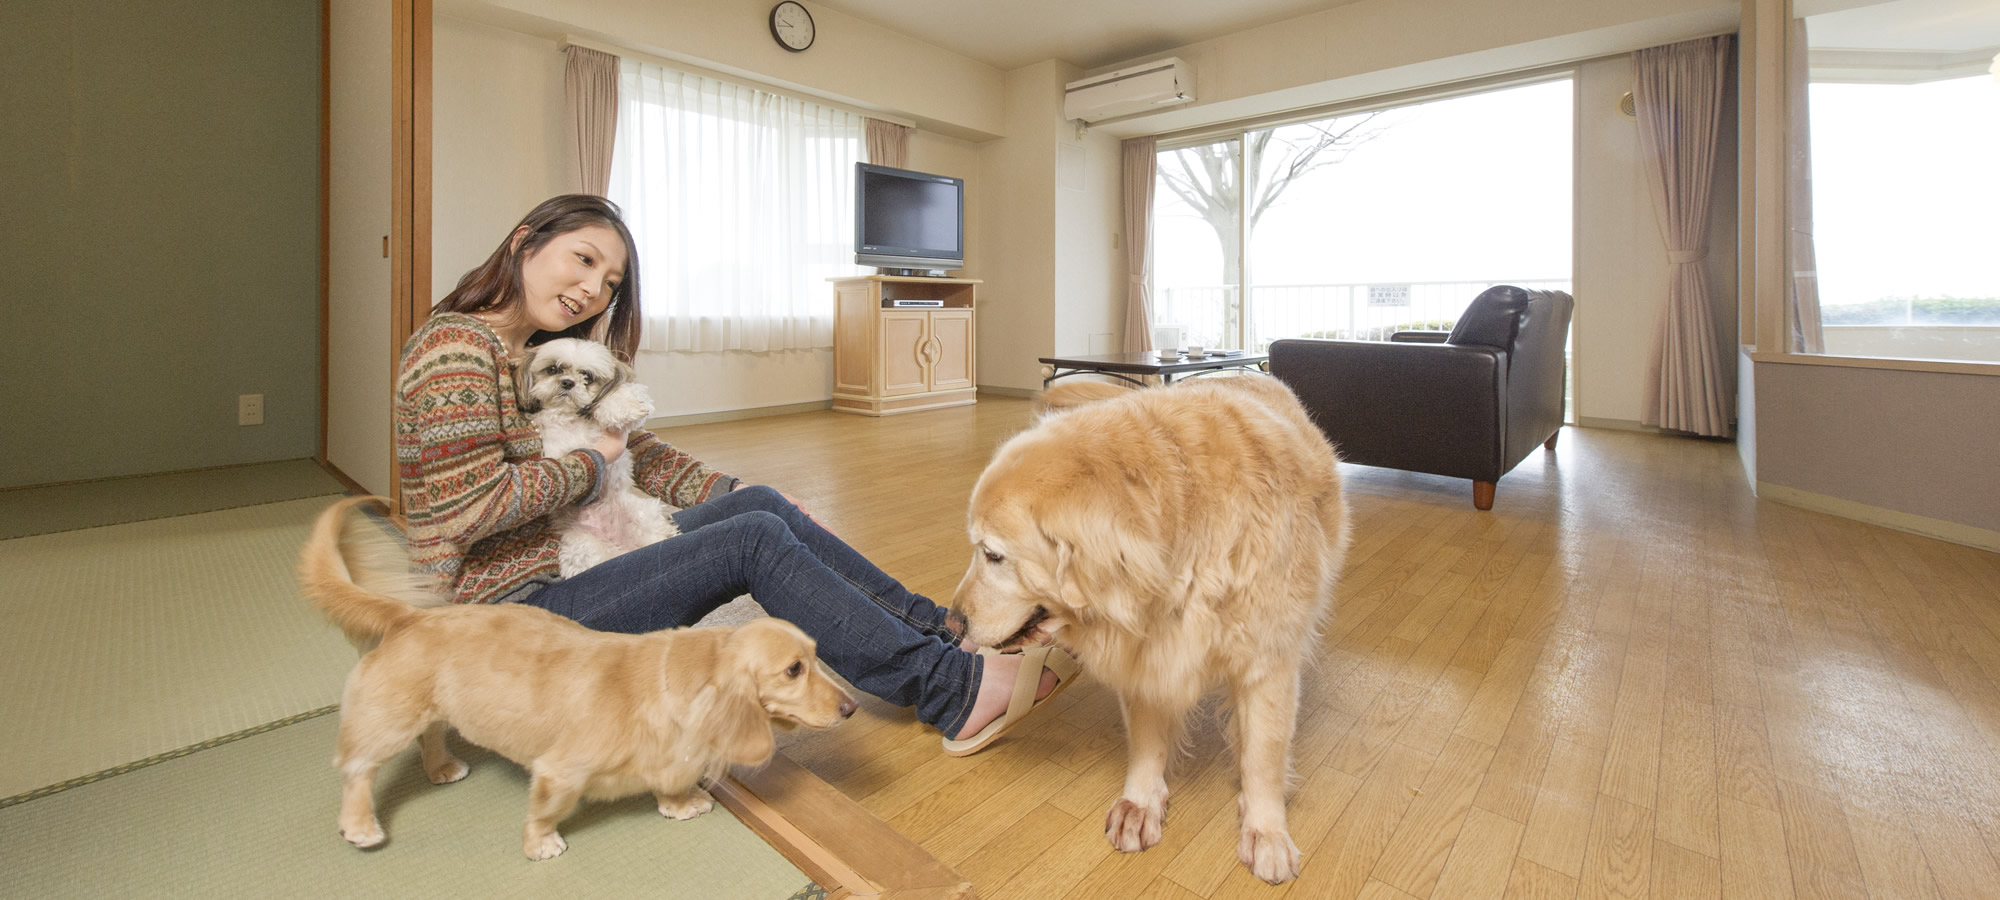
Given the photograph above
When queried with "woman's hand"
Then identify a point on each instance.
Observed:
(611, 445)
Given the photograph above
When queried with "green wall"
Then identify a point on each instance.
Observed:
(159, 226)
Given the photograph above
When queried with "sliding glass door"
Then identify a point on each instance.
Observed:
(1198, 244)
(1357, 225)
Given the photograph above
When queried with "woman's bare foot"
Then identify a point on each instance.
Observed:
(996, 687)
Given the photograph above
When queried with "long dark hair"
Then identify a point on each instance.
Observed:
(495, 285)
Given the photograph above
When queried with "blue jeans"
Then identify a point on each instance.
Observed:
(877, 634)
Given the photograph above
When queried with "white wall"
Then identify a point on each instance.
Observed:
(1018, 302)
(498, 137)
(1918, 443)
(1090, 289)
(499, 134)
(358, 358)
(851, 59)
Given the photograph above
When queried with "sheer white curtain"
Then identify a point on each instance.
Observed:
(742, 204)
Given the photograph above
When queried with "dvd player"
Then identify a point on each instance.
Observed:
(916, 303)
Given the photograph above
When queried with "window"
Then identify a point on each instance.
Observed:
(1358, 225)
(1903, 224)
(742, 205)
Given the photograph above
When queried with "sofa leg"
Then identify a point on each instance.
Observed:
(1550, 444)
(1482, 495)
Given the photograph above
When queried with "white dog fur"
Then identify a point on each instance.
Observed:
(578, 392)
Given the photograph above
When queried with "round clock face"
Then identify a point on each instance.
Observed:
(792, 26)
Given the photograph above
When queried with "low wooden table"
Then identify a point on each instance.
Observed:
(1146, 362)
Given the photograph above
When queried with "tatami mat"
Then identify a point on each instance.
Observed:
(255, 818)
(93, 504)
(127, 641)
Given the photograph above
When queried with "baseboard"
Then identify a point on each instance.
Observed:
(731, 415)
(353, 487)
(1969, 535)
(1618, 424)
(998, 391)
(1630, 425)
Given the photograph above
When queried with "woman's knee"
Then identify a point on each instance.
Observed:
(762, 497)
(764, 533)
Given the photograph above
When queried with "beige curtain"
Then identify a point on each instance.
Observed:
(1678, 92)
(888, 143)
(1806, 336)
(1141, 161)
(590, 86)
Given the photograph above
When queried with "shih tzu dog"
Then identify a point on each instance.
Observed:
(578, 391)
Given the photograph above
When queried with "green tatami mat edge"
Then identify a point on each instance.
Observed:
(25, 512)
(130, 641)
(256, 818)
(158, 758)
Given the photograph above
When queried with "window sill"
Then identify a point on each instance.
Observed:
(1946, 366)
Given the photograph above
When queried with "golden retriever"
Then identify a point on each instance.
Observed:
(589, 714)
(1176, 539)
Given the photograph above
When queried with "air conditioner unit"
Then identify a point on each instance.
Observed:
(1132, 89)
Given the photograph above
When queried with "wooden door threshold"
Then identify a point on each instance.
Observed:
(837, 842)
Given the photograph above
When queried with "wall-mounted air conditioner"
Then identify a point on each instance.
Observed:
(1132, 89)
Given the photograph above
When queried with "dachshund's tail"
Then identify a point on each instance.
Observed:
(359, 575)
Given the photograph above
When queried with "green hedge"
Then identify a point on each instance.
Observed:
(1920, 311)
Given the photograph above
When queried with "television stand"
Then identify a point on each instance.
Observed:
(913, 273)
(903, 343)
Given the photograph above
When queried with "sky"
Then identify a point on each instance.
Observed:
(1906, 189)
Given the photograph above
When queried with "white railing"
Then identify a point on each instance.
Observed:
(1363, 312)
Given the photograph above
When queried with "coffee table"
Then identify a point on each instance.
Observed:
(1146, 362)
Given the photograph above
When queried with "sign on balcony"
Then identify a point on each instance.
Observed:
(1388, 295)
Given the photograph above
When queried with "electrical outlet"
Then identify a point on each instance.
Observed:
(250, 409)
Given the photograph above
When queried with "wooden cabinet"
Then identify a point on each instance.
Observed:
(890, 359)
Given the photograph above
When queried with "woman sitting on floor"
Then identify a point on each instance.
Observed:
(479, 496)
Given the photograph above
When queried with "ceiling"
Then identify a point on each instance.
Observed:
(1085, 33)
(1938, 25)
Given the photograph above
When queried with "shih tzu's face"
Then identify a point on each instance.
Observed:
(568, 373)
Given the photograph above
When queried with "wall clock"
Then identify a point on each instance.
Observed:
(792, 26)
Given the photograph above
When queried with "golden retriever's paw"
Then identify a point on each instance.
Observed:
(1269, 853)
(547, 846)
(450, 770)
(363, 835)
(685, 807)
(1131, 827)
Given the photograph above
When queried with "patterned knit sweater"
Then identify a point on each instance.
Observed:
(476, 493)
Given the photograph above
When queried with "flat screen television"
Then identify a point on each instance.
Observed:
(912, 222)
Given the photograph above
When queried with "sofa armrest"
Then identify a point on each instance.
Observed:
(1437, 408)
(1419, 337)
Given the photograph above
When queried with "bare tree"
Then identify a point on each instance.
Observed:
(1207, 178)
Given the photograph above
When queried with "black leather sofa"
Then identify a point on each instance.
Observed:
(1471, 403)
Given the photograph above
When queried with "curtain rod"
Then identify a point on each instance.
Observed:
(571, 40)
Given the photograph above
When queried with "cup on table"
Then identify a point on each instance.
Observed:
(1194, 350)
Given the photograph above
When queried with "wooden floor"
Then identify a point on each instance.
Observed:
(1631, 679)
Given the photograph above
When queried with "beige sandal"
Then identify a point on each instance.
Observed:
(1023, 702)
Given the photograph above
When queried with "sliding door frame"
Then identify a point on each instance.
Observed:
(410, 190)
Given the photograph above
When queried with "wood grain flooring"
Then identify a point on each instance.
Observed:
(1631, 678)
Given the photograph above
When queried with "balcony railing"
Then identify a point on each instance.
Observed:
(1362, 312)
